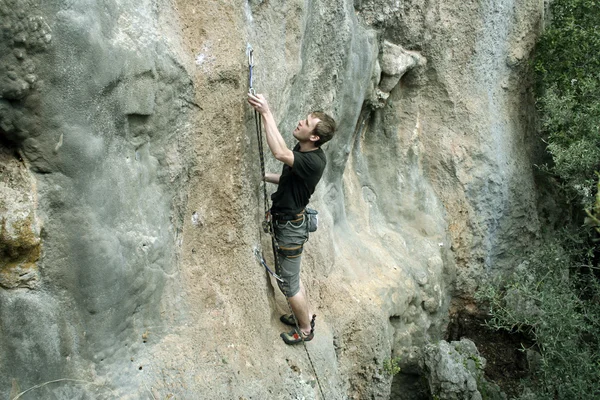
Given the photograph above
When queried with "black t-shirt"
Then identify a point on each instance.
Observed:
(298, 183)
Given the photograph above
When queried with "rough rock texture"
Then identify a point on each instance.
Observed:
(20, 244)
(455, 372)
(141, 179)
(100, 127)
(395, 62)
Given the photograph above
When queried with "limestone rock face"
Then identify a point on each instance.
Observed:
(455, 372)
(20, 243)
(94, 101)
(131, 195)
(395, 62)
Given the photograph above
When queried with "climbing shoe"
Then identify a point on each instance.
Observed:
(290, 320)
(296, 336)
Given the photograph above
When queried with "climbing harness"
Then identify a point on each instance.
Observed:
(267, 224)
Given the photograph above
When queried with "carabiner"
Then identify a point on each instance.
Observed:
(250, 52)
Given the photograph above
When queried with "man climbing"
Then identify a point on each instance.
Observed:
(302, 170)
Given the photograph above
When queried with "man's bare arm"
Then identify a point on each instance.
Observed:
(272, 178)
(274, 138)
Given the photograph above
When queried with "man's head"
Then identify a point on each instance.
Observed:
(318, 128)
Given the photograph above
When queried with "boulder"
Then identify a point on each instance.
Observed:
(455, 371)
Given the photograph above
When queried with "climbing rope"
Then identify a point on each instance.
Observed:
(267, 225)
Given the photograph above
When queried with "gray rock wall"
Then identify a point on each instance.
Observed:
(95, 103)
(125, 130)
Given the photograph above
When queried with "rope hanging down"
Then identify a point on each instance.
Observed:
(267, 224)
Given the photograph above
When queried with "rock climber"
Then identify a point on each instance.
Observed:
(302, 170)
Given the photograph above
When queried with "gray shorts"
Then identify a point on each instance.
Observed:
(291, 237)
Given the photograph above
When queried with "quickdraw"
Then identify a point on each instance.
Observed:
(250, 53)
(261, 260)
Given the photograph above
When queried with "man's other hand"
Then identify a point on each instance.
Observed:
(259, 103)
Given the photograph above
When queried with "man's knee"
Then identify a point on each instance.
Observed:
(289, 271)
(291, 283)
(289, 289)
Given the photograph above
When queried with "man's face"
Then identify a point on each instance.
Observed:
(303, 131)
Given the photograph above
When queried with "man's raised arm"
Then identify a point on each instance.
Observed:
(274, 138)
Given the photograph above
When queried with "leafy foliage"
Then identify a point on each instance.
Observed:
(554, 296)
(550, 301)
(391, 366)
(568, 74)
(594, 213)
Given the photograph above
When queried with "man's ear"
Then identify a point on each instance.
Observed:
(314, 138)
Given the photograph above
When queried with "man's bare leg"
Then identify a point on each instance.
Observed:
(300, 308)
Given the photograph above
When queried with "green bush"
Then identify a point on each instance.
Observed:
(553, 297)
(551, 302)
(567, 65)
(593, 214)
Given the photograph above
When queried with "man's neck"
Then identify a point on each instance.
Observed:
(307, 146)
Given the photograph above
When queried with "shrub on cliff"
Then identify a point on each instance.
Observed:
(568, 74)
(549, 301)
(554, 296)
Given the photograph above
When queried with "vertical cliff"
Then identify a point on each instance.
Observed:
(127, 266)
